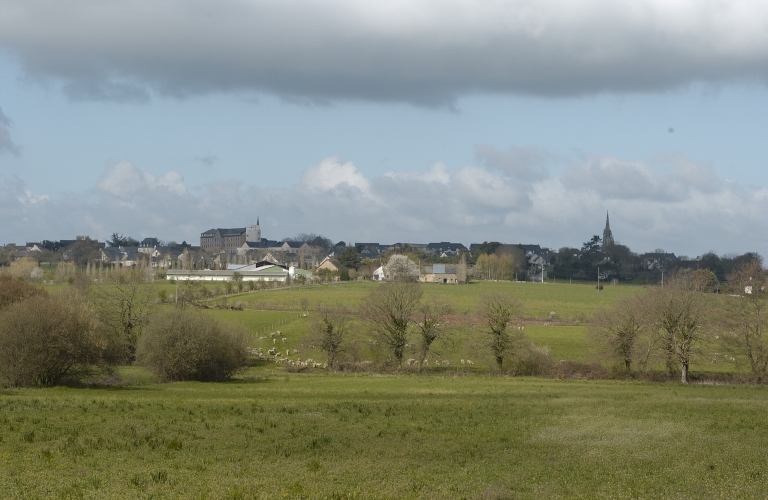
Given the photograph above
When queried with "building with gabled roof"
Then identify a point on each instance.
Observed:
(254, 272)
(331, 264)
(439, 273)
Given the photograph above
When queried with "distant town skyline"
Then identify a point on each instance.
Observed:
(516, 122)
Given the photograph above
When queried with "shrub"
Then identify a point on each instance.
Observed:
(186, 345)
(23, 267)
(533, 361)
(63, 344)
(13, 290)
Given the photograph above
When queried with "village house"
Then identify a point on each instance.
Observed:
(438, 273)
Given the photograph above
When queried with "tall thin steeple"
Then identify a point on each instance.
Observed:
(607, 234)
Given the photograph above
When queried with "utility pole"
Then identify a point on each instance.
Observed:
(598, 280)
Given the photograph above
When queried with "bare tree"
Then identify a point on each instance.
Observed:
(743, 316)
(616, 330)
(432, 325)
(388, 311)
(329, 333)
(497, 312)
(123, 305)
(678, 315)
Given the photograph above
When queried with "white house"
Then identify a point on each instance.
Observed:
(380, 274)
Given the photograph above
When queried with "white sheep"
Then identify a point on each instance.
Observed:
(272, 351)
(274, 341)
(462, 361)
(446, 362)
(283, 339)
(295, 351)
(469, 362)
(272, 334)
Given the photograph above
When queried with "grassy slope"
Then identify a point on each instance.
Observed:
(282, 310)
(569, 302)
(344, 436)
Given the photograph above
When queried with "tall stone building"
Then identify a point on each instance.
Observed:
(230, 239)
(607, 234)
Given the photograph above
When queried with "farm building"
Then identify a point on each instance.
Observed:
(263, 272)
(439, 273)
(331, 264)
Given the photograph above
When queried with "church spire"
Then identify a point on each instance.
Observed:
(607, 234)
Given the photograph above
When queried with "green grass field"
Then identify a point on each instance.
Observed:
(568, 302)
(451, 432)
(277, 435)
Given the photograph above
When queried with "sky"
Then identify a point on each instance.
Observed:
(521, 121)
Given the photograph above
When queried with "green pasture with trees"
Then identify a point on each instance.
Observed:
(133, 388)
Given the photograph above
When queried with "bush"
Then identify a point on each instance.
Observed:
(186, 345)
(63, 344)
(14, 290)
(533, 361)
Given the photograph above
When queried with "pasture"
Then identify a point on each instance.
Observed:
(456, 431)
(271, 434)
(569, 302)
(565, 332)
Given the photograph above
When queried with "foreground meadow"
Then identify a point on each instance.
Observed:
(271, 434)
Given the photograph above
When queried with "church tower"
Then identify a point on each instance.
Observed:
(607, 234)
(253, 233)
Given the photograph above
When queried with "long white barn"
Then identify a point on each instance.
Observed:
(266, 272)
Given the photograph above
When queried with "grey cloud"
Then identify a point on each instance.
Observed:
(208, 160)
(527, 164)
(6, 141)
(613, 179)
(422, 51)
(105, 89)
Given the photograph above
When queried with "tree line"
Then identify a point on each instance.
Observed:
(684, 321)
(89, 329)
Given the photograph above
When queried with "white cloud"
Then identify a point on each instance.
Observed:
(438, 173)
(422, 51)
(672, 203)
(124, 181)
(330, 174)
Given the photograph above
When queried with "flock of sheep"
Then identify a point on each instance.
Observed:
(277, 356)
(445, 362)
